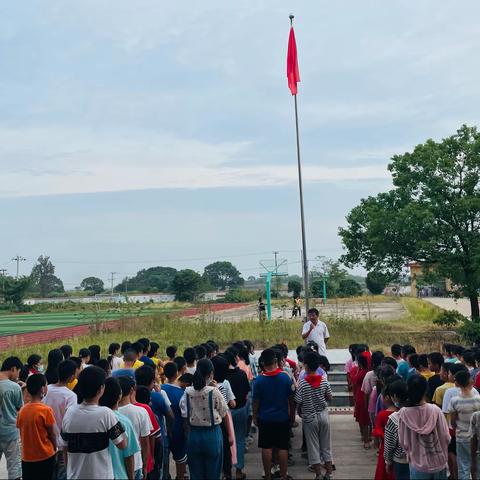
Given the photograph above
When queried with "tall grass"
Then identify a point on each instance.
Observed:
(168, 329)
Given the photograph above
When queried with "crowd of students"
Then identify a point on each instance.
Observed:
(422, 411)
(125, 415)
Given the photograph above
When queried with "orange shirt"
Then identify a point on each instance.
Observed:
(32, 421)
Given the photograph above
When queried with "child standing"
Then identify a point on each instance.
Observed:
(123, 461)
(379, 431)
(423, 433)
(35, 422)
(81, 423)
(312, 396)
(273, 412)
(393, 454)
(361, 408)
(461, 410)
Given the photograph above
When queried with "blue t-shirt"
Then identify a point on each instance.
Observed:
(147, 361)
(118, 456)
(174, 394)
(160, 409)
(124, 372)
(403, 368)
(272, 393)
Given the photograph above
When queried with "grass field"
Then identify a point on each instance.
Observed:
(13, 324)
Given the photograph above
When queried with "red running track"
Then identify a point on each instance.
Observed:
(44, 336)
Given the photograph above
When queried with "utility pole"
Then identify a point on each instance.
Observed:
(18, 259)
(277, 279)
(112, 275)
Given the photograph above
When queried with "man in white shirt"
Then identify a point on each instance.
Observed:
(314, 330)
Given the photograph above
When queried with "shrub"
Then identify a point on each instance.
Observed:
(238, 295)
(449, 318)
(470, 331)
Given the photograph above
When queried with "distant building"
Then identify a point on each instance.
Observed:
(418, 288)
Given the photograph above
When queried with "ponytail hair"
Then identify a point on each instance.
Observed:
(204, 369)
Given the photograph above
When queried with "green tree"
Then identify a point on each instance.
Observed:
(43, 277)
(148, 280)
(432, 215)
(186, 285)
(14, 290)
(92, 284)
(349, 288)
(376, 282)
(294, 286)
(222, 275)
(334, 273)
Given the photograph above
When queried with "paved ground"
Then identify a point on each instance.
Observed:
(462, 305)
(391, 310)
(351, 460)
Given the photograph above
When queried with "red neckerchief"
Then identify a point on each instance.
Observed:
(273, 372)
(314, 380)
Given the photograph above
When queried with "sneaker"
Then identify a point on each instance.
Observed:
(253, 429)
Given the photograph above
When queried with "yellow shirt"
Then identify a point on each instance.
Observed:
(72, 384)
(440, 393)
(427, 374)
(136, 365)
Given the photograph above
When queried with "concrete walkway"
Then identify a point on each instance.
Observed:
(350, 458)
(461, 305)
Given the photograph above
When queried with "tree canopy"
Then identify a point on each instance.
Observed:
(92, 284)
(154, 279)
(295, 287)
(376, 282)
(43, 279)
(431, 215)
(14, 290)
(186, 285)
(222, 275)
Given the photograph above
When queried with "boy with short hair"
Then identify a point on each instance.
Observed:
(312, 396)
(177, 444)
(36, 421)
(273, 412)
(435, 362)
(127, 366)
(123, 461)
(11, 401)
(439, 392)
(189, 356)
(140, 421)
(59, 398)
(461, 409)
(87, 429)
(171, 352)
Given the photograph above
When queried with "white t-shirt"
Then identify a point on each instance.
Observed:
(141, 425)
(116, 362)
(60, 399)
(191, 370)
(317, 335)
(86, 430)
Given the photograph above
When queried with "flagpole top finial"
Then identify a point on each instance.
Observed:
(291, 17)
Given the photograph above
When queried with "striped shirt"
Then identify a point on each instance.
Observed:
(464, 407)
(392, 449)
(312, 400)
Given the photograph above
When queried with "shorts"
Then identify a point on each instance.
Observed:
(273, 435)
(178, 447)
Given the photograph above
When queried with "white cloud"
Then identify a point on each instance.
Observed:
(66, 161)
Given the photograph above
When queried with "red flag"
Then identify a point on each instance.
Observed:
(293, 74)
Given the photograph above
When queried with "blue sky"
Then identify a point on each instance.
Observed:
(133, 133)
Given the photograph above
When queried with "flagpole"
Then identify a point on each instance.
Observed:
(302, 213)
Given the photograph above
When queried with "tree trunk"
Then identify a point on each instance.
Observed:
(474, 307)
